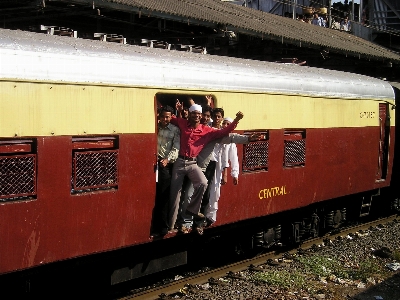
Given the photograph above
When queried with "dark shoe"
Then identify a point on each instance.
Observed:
(196, 217)
(154, 234)
(164, 231)
(208, 222)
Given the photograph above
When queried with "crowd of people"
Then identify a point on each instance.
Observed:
(195, 149)
(342, 24)
(337, 23)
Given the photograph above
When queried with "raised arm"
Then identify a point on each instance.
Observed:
(177, 121)
(174, 120)
(241, 139)
(179, 108)
(191, 101)
(216, 134)
(210, 100)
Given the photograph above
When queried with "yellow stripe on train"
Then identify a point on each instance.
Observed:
(43, 109)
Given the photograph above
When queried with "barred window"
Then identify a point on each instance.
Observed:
(17, 169)
(255, 154)
(295, 148)
(94, 164)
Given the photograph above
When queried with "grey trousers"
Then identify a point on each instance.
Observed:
(192, 170)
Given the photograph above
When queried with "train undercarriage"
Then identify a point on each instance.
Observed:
(217, 246)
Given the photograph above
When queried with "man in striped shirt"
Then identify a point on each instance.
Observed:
(168, 145)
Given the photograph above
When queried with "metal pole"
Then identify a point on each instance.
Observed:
(294, 6)
(371, 13)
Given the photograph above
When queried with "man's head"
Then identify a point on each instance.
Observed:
(185, 113)
(218, 115)
(195, 112)
(206, 115)
(164, 115)
(226, 122)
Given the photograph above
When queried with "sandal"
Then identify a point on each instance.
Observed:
(199, 230)
(183, 229)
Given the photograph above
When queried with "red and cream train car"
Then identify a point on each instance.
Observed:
(78, 144)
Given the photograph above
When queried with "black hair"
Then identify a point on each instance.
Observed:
(218, 110)
(207, 108)
(166, 108)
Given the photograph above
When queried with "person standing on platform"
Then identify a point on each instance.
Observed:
(345, 24)
(317, 20)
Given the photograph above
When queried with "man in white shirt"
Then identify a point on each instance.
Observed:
(226, 153)
(317, 20)
(345, 24)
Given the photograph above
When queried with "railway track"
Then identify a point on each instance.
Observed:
(164, 292)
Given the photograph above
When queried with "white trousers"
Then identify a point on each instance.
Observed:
(215, 193)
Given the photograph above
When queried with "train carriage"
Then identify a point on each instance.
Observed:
(78, 143)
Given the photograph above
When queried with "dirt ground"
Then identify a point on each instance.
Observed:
(386, 290)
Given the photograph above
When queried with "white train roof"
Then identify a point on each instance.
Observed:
(35, 56)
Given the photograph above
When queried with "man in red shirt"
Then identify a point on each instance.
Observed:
(194, 136)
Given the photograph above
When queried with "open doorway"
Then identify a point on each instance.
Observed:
(164, 99)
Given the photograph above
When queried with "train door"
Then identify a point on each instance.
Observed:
(384, 130)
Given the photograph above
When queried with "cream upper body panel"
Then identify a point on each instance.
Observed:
(51, 109)
(282, 111)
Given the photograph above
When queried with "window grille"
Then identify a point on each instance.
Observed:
(295, 148)
(94, 164)
(17, 169)
(255, 155)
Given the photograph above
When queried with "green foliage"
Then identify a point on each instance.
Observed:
(396, 255)
(323, 266)
(281, 278)
(368, 268)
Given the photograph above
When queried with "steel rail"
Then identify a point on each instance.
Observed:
(202, 278)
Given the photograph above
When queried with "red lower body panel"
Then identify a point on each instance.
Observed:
(339, 162)
(58, 225)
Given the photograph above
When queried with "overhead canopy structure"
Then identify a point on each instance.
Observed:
(285, 36)
(231, 17)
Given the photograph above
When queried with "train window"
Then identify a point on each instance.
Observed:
(94, 164)
(17, 169)
(295, 148)
(255, 154)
